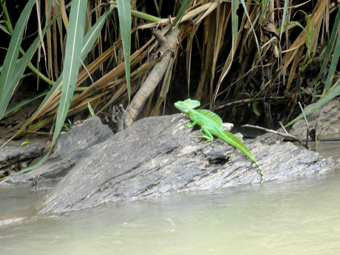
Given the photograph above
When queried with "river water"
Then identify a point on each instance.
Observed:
(295, 217)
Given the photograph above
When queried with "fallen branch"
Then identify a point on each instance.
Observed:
(287, 135)
(164, 54)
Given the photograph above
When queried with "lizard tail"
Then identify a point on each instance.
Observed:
(234, 141)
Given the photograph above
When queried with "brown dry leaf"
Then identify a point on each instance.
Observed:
(188, 16)
(293, 70)
(301, 39)
(270, 27)
(63, 13)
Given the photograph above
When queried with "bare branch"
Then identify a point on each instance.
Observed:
(278, 133)
(304, 116)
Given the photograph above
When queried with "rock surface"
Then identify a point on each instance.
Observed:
(159, 156)
(70, 148)
(14, 157)
(325, 121)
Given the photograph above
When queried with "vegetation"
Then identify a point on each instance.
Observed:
(241, 56)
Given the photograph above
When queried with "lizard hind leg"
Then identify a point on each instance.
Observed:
(206, 134)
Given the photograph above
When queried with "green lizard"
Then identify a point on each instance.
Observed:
(211, 124)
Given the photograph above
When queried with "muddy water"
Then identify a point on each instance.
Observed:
(298, 217)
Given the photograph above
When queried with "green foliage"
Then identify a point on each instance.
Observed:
(13, 69)
(25, 143)
(124, 13)
(335, 31)
(256, 109)
(335, 58)
(239, 59)
(252, 26)
(91, 109)
(330, 91)
(3, 28)
(23, 103)
(180, 13)
(309, 30)
(71, 62)
(67, 126)
(234, 23)
(333, 92)
(284, 16)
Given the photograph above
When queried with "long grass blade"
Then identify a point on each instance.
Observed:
(89, 40)
(142, 15)
(8, 69)
(91, 109)
(145, 16)
(23, 103)
(124, 14)
(333, 92)
(333, 66)
(285, 8)
(234, 23)
(4, 29)
(335, 30)
(75, 36)
(252, 27)
(234, 29)
(23, 62)
(180, 13)
(334, 63)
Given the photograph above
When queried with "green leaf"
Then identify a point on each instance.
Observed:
(333, 92)
(252, 27)
(297, 24)
(39, 163)
(334, 64)
(75, 36)
(124, 14)
(89, 40)
(4, 29)
(145, 16)
(180, 13)
(285, 8)
(142, 15)
(256, 109)
(335, 30)
(25, 143)
(234, 25)
(23, 103)
(91, 109)
(7, 85)
(92, 35)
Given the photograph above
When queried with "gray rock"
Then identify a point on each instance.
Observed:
(14, 157)
(159, 156)
(70, 148)
(324, 120)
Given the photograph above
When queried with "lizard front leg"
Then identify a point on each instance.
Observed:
(190, 125)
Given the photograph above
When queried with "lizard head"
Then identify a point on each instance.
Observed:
(186, 105)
